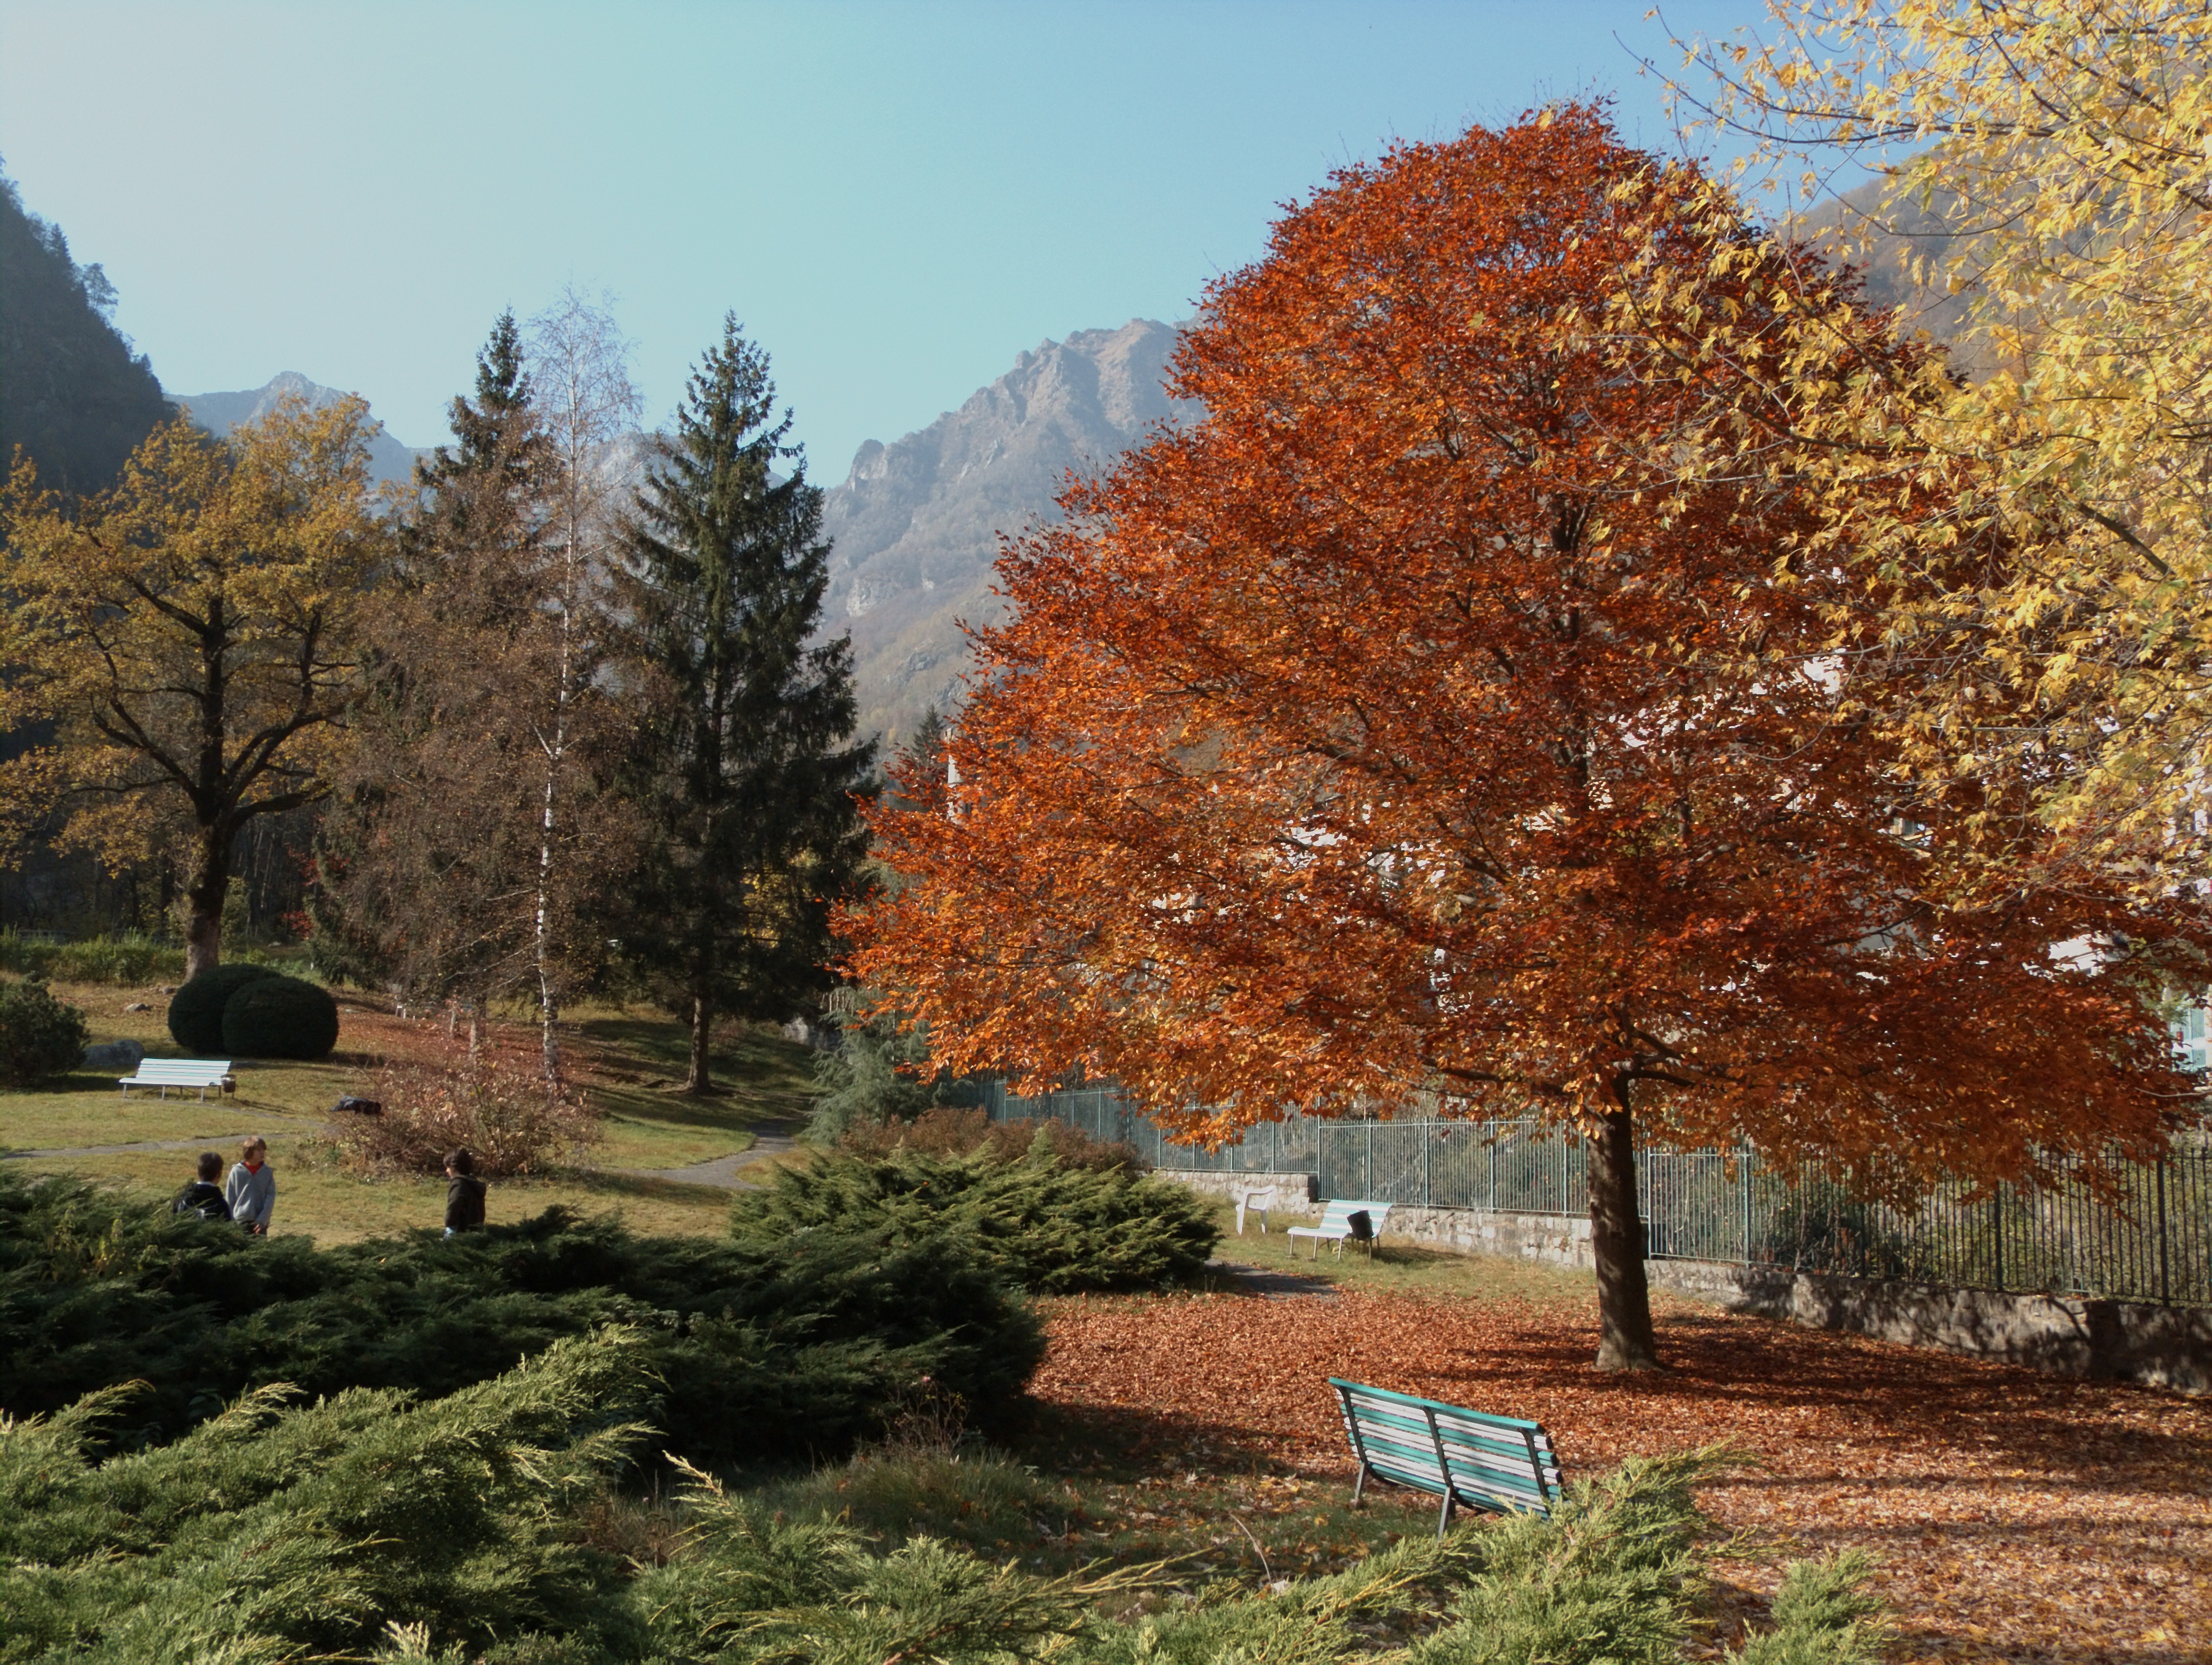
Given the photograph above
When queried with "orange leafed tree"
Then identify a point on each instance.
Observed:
(1435, 716)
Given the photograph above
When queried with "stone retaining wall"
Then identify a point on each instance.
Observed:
(1292, 1193)
(2163, 1346)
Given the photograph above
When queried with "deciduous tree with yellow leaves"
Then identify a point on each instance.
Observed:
(183, 643)
(2048, 164)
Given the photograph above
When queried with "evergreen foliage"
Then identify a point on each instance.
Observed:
(762, 1352)
(877, 1076)
(1050, 1225)
(72, 393)
(280, 1017)
(378, 1524)
(196, 1010)
(750, 787)
(40, 1034)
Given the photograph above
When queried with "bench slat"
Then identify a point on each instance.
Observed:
(1497, 1463)
(165, 1072)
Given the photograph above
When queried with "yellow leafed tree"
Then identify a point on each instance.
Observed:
(181, 646)
(2048, 164)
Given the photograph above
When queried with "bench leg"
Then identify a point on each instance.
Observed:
(1444, 1515)
(1359, 1485)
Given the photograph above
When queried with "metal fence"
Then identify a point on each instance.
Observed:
(2150, 1240)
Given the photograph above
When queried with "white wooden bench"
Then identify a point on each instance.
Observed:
(165, 1073)
(1337, 1225)
(1499, 1463)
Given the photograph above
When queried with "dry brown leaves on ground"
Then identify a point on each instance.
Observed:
(2016, 1515)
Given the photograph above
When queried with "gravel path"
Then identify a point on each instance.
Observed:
(770, 1140)
(212, 1139)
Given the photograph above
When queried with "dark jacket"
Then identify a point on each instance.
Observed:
(202, 1199)
(464, 1201)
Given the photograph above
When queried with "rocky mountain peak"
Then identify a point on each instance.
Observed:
(916, 522)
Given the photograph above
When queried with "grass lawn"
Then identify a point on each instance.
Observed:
(627, 1062)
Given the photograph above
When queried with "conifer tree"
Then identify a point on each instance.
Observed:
(437, 867)
(749, 780)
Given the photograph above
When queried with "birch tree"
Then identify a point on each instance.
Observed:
(589, 409)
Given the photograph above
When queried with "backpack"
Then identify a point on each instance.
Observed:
(202, 1199)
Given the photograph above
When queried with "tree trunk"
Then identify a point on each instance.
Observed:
(702, 1022)
(203, 897)
(1624, 1298)
(476, 1028)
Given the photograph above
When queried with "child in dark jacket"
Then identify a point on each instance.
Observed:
(464, 1194)
(203, 1196)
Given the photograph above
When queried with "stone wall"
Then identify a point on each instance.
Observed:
(1291, 1193)
(2163, 1346)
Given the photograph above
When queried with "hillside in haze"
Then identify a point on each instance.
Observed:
(916, 522)
(72, 393)
(219, 412)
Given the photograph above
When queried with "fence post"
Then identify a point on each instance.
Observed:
(2165, 1284)
(1428, 1146)
(1367, 1184)
(1745, 1157)
(1996, 1230)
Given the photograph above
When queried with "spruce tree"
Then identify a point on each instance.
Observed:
(750, 779)
(434, 863)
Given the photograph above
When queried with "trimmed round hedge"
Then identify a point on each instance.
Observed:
(280, 1017)
(196, 1010)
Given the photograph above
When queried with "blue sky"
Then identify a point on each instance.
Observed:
(895, 199)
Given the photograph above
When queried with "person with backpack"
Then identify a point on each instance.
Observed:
(464, 1195)
(203, 1196)
(250, 1191)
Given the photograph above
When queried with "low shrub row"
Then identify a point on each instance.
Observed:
(374, 1525)
(1049, 1227)
(128, 960)
(947, 1130)
(761, 1351)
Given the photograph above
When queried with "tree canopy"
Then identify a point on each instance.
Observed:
(1440, 715)
(748, 779)
(2047, 163)
(191, 635)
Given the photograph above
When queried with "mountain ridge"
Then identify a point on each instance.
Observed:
(219, 412)
(916, 522)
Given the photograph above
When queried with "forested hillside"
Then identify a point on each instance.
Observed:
(72, 393)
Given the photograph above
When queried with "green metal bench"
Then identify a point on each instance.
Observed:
(1500, 1463)
(1338, 1225)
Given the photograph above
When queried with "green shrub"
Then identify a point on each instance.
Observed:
(196, 1010)
(39, 1035)
(273, 1533)
(1050, 1226)
(877, 1076)
(280, 1017)
(1820, 1226)
(377, 1524)
(1823, 1616)
(129, 958)
(766, 1352)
